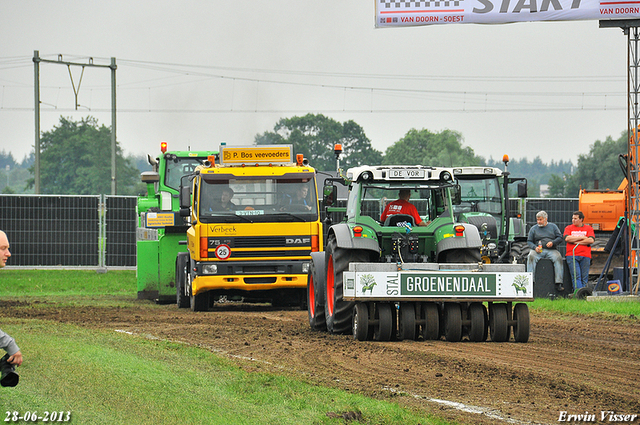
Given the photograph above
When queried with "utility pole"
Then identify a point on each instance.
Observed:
(630, 28)
(36, 61)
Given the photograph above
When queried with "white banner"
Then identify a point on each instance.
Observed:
(399, 13)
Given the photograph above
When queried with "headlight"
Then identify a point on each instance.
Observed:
(305, 267)
(445, 176)
(366, 176)
(210, 269)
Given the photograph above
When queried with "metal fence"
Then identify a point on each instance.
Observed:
(100, 231)
(70, 231)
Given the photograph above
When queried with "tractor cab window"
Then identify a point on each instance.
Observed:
(479, 195)
(430, 201)
(178, 167)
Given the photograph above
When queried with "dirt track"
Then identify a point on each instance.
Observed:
(570, 363)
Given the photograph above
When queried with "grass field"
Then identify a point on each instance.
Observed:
(103, 377)
(109, 378)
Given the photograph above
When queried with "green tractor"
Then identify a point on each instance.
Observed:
(484, 202)
(387, 275)
(161, 231)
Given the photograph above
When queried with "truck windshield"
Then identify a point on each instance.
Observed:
(479, 195)
(177, 167)
(258, 199)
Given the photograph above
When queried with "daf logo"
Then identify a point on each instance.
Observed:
(298, 241)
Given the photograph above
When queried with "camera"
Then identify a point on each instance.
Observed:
(8, 375)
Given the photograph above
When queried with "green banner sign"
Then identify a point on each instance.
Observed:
(446, 284)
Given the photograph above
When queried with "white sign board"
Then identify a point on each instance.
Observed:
(438, 284)
(399, 13)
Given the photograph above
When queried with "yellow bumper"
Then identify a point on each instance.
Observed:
(249, 282)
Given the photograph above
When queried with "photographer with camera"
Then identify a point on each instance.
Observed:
(13, 358)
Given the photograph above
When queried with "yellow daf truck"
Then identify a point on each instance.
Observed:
(254, 222)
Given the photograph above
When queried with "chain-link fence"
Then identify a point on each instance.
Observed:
(70, 231)
(100, 231)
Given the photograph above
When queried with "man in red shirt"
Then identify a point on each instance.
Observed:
(402, 206)
(579, 237)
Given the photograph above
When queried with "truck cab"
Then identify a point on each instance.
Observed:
(254, 221)
(161, 230)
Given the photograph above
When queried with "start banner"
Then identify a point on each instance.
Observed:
(399, 13)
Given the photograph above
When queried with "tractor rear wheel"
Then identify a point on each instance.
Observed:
(519, 252)
(316, 294)
(462, 256)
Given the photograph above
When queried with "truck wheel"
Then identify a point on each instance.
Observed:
(361, 330)
(338, 311)
(498, 325)
(316, 295)
(383, 330)
(431, 327)
(407, 328)
(452, 322)
(182, 298)
(199, 302)
(478, 326)
(521, 319)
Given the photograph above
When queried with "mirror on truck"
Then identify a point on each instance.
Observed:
(185, 198)
(522, 189)
(329, 194)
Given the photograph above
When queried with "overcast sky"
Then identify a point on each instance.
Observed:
(195, 73)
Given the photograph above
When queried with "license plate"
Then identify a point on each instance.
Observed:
(396, 173)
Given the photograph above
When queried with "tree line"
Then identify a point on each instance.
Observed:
(75, 157)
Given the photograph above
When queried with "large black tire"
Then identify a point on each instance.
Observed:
(361, 329)
(407, 321)
(478, 327)
(384, 329)
(431, 327)
(316, 295)
(452, 322)
(521, 319)
(338, 313)
(198, 302)
(519, 252)
(462, 256)
(498, 323)
(182, 297)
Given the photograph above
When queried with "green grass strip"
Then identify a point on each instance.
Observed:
(106, 377)
(613, 307)
(20, 283)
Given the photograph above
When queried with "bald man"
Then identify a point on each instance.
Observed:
(6, 342)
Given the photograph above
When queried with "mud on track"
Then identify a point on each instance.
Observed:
(571, 363)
